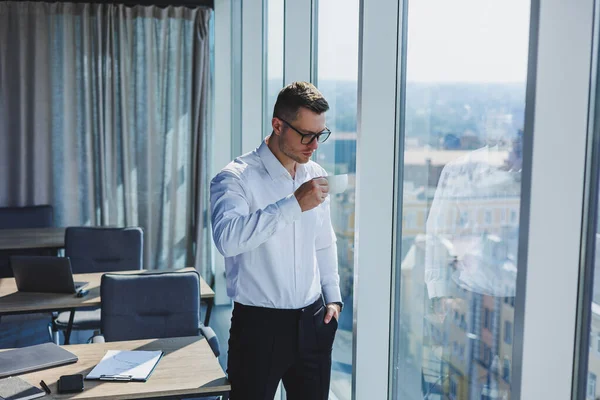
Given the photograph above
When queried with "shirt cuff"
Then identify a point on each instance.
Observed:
(290, 209)
(437, 289)
(332, 294)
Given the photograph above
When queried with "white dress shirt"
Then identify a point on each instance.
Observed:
(276, 256)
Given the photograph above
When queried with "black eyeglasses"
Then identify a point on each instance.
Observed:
(307, 138)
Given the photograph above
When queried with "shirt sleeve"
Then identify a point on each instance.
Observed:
(235, 229)
(437, 259)
(327, 261)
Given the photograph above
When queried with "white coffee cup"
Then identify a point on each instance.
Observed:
(337, 183)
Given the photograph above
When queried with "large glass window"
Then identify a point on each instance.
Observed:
(275, 27)
(337, 79)
(456, 269)
(591, 386)
(594, 327)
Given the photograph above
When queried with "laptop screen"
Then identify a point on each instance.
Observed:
(44, 274)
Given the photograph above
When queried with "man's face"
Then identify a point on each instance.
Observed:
(290, 141)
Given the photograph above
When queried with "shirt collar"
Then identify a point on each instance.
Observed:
(274, 167)
(271, 163)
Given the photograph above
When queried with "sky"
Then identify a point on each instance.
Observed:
(448, 41)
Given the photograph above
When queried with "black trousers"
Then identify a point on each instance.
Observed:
(268, 345)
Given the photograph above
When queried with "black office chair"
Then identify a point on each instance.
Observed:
(22, 218)
(99, 249)
(152, 306)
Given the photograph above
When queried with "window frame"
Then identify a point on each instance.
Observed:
(550, 109)
(222, 143)
(253, 74)
(379, 99)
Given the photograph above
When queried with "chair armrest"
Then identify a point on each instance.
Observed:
(211, 338)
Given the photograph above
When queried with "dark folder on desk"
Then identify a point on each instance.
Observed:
(32, 358)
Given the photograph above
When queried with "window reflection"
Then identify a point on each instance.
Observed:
(464, 115)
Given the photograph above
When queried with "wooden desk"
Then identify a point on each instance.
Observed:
(54, 238)
(14, 302)
(188, 369)
(34, 238)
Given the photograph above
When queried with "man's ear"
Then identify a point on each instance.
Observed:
(277, 126)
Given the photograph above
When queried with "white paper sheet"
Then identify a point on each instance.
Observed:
(125, 365)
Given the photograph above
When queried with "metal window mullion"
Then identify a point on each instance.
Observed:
(252, 74)
(583, 330)
(552, 199)
(376, 188)
(297, 48)
(222, 139)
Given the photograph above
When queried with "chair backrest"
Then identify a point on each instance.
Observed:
(21, 218)
(26, 217)
(150, 305)
(99, 249)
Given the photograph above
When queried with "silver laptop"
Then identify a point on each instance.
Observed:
(44, 274)
(33, 358)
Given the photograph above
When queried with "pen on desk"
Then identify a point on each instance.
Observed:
(45, 387)
(124, 378)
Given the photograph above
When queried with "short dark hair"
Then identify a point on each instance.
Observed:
(296, 95)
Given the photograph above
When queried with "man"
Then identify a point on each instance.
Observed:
(270, 219)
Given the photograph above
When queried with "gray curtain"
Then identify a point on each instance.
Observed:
(103, 114)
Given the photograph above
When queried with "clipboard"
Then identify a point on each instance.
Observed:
(125, 366)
